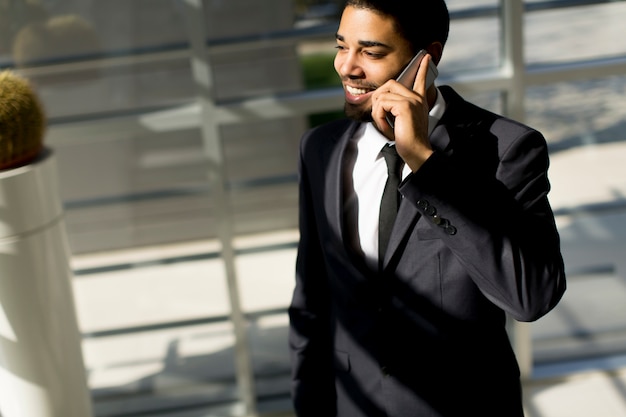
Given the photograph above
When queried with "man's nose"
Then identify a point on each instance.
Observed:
(350, 67)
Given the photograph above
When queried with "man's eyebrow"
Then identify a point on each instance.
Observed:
(367, 44)
(371, 44)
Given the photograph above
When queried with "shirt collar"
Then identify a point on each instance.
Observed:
(436, 113)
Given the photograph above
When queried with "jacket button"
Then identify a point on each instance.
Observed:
(451, 230)
(430, 211)
(423, 204)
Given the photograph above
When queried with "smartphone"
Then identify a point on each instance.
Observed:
(408, 74)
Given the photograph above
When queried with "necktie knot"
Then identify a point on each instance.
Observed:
(390, 199)
(393, 160)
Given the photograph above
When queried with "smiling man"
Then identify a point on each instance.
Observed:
(402, 289)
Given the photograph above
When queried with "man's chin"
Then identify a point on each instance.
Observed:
(357, 113)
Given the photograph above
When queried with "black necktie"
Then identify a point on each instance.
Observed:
(391, 199)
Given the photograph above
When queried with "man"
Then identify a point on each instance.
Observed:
(419, 330)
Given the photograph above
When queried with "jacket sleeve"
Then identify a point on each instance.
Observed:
(497, 221)
(313, 391)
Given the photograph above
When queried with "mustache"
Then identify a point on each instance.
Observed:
(357, 84)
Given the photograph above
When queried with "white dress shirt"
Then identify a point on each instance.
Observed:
(369, 176)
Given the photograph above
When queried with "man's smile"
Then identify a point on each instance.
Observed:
(357, 94)
(356, 91)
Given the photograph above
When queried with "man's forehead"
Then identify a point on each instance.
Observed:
(366, 27)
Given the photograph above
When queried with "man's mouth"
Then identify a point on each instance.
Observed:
(355, 91)
(357, 95)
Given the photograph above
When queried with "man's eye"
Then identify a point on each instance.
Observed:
(339, 47)
(374, 55)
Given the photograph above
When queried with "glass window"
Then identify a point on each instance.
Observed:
(583, 121)
(574, 33)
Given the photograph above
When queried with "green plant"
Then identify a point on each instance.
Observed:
(22, 121)
(319, 72)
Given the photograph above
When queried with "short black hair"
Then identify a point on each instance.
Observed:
(421, 22)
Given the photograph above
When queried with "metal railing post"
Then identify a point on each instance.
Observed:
(512, 25)
(209, 124)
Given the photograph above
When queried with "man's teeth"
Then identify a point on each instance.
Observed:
(355, 91)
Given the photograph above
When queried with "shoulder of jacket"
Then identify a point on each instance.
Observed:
(332, 128)
(472, 117)
(325, 134)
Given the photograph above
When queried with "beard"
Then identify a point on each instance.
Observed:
(358, 113)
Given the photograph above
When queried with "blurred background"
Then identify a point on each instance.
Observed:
(175, 124)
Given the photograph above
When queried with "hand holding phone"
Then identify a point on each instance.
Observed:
(407, 76)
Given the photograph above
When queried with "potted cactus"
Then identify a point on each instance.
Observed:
(41, 364)
(22, 122)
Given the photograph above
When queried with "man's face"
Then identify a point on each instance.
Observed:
(369, 53)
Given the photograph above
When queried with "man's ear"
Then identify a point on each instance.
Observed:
(435, 50)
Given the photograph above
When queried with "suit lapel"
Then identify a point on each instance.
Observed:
(334, 189)
(408, 215)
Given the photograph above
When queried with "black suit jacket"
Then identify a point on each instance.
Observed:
(474, 238)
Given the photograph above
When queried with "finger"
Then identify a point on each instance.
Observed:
(382, 108)
(419, 85)
(379, 117)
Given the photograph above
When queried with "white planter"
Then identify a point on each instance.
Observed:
(42, 371)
